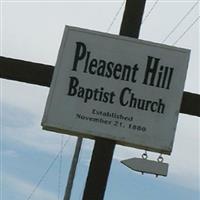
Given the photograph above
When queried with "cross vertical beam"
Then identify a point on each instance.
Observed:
(103, 149)
(99, 169)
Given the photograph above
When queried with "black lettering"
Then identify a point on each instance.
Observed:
(165, 76)
(161, 106)
(121, 98)
(86, 62)
(93, 66)
(109, 69)
(126, 72)
(160, 73)
(147, 104)
(96, 92)
(117, 71)
(72, 86)
(79, 54)
(106, 97)
(88, 94)
(133, 101)
(151, 70)
(134, 70)
(141, 103)
(170, 78)
(154, 106)
(112, 95)
(101, 68)
(101, 94)
(81, 92)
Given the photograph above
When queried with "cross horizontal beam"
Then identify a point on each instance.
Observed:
(40, 74)
(24, 71)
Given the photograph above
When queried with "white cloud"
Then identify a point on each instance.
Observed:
(10, 153)
(25, 96)
(46, 142)
(21, 119)
(24, 188)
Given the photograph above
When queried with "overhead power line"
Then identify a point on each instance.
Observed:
(179, 23)
(150, 11)
(117, 13)
(189, 27)
(47, 170)
(115, 17)
(59, 154)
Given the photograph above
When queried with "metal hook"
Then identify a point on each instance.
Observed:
(144, 155)
(160, 158)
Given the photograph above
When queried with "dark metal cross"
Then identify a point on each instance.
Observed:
(40, 74)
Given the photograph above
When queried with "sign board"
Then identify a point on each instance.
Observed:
(115, 87)
(147, 166)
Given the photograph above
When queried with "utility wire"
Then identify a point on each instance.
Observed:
(59, 154)
(150, 11)
(115, 17)
(189, 27)
(182, 19)
(47, 170)
(62, 147)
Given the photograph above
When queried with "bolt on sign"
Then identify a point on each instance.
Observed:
(115, 87)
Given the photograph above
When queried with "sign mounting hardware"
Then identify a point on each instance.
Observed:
(143, 165)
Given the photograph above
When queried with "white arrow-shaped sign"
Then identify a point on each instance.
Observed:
(147, 166)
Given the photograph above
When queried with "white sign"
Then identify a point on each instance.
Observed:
(116, 87)
(147, 166)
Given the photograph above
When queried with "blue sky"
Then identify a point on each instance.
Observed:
(32, 31)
